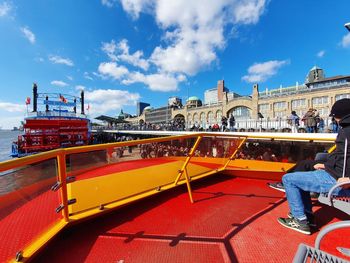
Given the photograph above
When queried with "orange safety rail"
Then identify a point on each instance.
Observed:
(94, 179)
(215, 153)
(114, 174)
(129, 172)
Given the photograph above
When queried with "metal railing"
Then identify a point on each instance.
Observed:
(112, 166)
(59, 186)
(261, 125)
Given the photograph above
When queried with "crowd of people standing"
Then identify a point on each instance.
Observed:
(312, 121)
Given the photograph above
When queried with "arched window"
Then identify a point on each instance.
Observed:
(203, 120)
(189, 120)
(211, 120)
(241, 112)
(218, 116)
(196, 118)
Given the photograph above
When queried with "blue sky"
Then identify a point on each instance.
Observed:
(121, 52)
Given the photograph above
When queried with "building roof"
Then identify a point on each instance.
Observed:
(315, 68)
(110, 119)
(123, 114)
(148, 108)
(331, 78)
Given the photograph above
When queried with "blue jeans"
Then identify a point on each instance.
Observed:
(298, 186)
(310, 129)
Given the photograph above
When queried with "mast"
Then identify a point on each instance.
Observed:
(35, 97)
(82, 102)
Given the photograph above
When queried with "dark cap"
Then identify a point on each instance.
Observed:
(340, 108)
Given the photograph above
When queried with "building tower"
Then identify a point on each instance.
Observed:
(315, 74)
(221, 87)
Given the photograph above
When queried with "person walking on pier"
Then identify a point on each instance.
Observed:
(336, 168)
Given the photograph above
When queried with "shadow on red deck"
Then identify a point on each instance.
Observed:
(232, 220)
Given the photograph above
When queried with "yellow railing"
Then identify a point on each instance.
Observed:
(90, 180)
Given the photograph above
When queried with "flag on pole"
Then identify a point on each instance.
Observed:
(27, 100)
(63, 99)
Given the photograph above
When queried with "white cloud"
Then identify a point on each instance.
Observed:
(108, 3)
(193, 33)
(59, 83)
(102, 101)
(134, 59)
(197, 35)
(321, 53)
(346, 41)
(60, 60)
(135, 7)
(248, 11)
(155, 82)
(111, 69)
(120, 52)
(260, 72)
(11, 114)
(28, 34)
(8, 122)
(194, 30)
(5, 8)
(12, 107)
(181, 78)
(110, 49)
(87, 76)
(80, 87)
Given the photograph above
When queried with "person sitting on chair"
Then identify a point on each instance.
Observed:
(298, 185)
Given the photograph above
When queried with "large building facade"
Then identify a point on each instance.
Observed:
(317, 92)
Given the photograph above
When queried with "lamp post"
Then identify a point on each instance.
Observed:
(347, 26)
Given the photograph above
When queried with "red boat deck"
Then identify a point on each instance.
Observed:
(232, 220)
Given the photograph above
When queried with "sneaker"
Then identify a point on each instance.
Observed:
(295, 225)
(310, 219)
(277, 186)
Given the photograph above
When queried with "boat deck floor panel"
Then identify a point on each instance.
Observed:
(232, 220)
(31, 218)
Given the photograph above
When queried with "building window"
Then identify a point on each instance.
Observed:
(280, 105)
(342, 96)
(280, 114)
(323, 111)
(320, 100)
(241, 112)
(210, 118)
(203, 122)
(196, 118)
(298, 103)
(329, 84)
(189, 120)
(218, 116)
(263, 107)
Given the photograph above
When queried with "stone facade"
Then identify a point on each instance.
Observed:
(318, 92)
